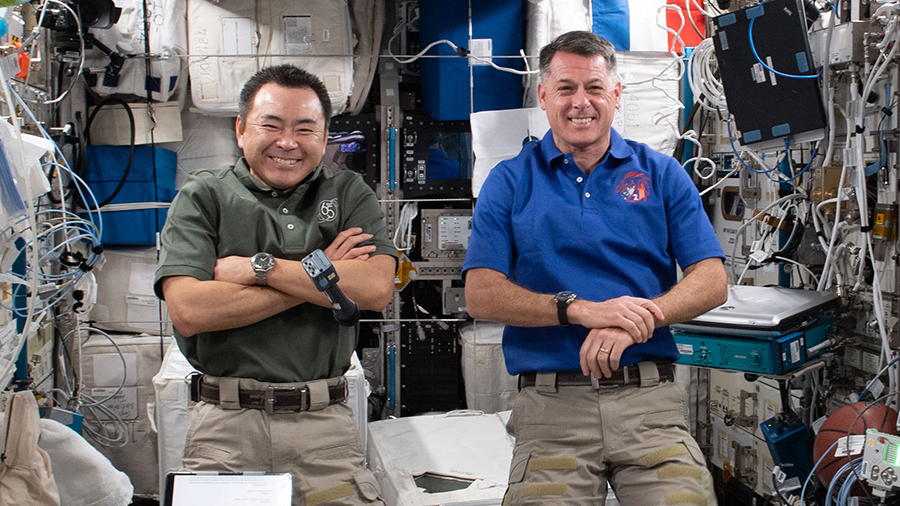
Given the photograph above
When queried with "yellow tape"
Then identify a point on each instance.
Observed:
(685, 497)
(548, 463)
(544, 489)
(680, 471)
(330, 494)
(660, 456)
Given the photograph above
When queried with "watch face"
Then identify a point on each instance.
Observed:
(566, 296)
(263, 261)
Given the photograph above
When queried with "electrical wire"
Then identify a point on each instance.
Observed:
(404, 230)
(756, 55)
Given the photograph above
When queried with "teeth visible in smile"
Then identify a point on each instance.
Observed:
(286, 161)
(581, 121)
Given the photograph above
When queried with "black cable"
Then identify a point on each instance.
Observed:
(679, 147)
(87, 130)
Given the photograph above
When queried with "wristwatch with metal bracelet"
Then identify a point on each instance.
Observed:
(262, 263)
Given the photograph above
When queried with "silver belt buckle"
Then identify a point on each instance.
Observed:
(270, 397)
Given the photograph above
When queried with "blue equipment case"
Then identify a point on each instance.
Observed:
(147, 182)
(761, 355)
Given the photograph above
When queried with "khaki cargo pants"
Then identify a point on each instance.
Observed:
(321, 449)
(570, 440)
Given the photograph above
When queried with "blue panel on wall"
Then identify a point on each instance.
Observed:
(445, 81)
(611, 21)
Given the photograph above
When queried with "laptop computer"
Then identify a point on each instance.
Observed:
(228, 489)
(763, 311)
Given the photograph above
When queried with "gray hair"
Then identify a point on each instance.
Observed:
(582, 44)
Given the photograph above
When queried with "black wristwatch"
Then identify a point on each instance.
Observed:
(563, 299)
(262, 263)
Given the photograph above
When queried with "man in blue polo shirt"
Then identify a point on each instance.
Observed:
(574, 247)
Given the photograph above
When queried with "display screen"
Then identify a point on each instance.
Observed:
(449, 155)
(892, 454)
(346, 150)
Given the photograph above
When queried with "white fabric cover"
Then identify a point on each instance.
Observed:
(25, 473)
(125, 298)
(241, 37)
(102, 369)
(464, 444)
(172, 415)
(208, 142)
(367, 17)
(84, 476)
(168, 40)
(489, 387)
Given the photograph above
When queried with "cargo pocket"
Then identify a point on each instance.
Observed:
(695, 452)
(518, 467)
(367, 486)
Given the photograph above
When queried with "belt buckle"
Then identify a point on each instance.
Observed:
(270, 397)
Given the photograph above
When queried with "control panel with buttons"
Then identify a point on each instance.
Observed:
(881, 461)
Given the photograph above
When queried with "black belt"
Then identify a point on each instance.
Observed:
(272, 399)
(628, 375)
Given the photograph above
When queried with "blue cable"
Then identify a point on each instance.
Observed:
(756, 55)
(847, 486)
(837, 477)
(813, 471)
(738, 156)
(804, 169)
(864, 390)
(99, 222)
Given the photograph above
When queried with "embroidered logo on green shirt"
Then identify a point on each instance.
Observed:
(327, 210)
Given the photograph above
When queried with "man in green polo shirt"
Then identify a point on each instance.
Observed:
(246, 313)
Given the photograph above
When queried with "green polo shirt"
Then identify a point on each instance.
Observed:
(223, 212)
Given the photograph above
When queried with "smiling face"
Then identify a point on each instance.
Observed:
(580, 98)
(284, 136)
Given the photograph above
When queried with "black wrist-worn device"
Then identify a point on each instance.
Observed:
(262, 263)
(563, 300)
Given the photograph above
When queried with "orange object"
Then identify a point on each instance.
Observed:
(24, 62)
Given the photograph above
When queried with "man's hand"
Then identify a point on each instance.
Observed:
(636, 316)
(602, 349)
(344, 246)
(234, 269)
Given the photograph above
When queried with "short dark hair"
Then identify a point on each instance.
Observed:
(582, 44)
(288, 76)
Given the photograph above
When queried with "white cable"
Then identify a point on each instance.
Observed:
(676, 35)
(746, 223)
(6, 371)
(405, 226)
(825, 279)
(707, 89)
(721, 181)
(798, 264)
(81, 59)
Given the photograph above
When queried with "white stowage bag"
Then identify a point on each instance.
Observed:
(83, 475)
(229, 40)
(168, 44)
(25, 472)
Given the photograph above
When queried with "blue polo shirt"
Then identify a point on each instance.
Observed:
(620, 231)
